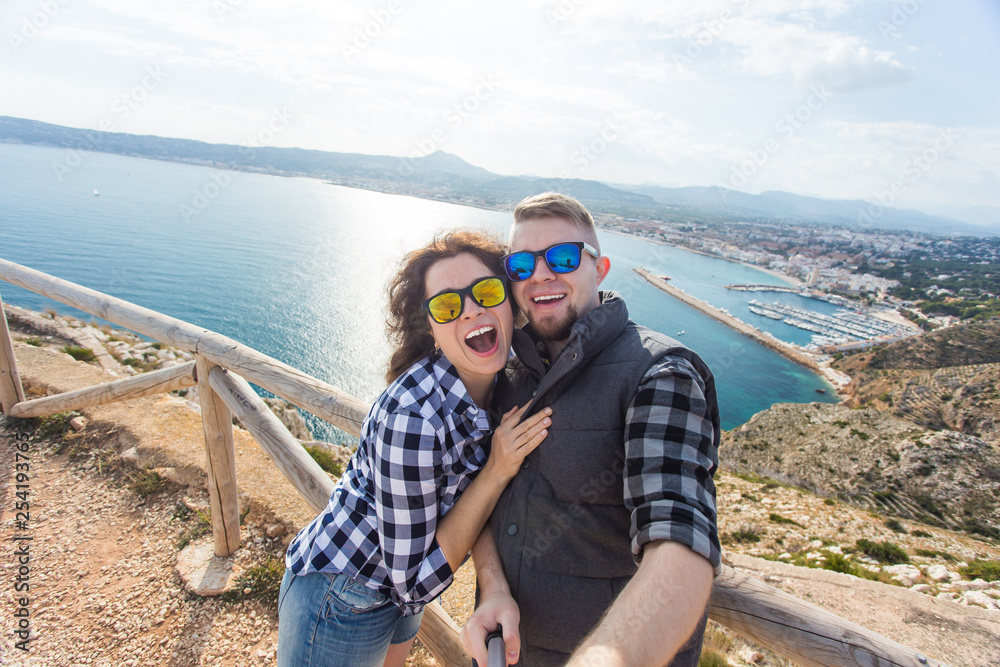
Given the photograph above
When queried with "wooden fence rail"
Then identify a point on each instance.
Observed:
(782, 622)
(321, 399)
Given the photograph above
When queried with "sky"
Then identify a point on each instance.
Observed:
(895, 102)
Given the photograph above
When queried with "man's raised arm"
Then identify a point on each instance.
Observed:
(655, 613)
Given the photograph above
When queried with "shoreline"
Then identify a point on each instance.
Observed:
(787, 350)
(791, 280)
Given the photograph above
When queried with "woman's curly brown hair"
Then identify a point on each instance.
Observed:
(407, 325)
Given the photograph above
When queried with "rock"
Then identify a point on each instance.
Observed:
(202, 572)
(78, 423)
(977, 585)
(816, 544)
(938, 573)
(195, 504)
(275, 530)
(903, 570)
(290, 417)
(921, 588)
(169, 363)
(979, 599)
(131, 456)
(751, 656)
(785, 556)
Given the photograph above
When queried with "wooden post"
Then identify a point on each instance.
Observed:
(439, 633)
(11, 391)
(221, 463)
(288, 455)
(147, 384)
(809, 635)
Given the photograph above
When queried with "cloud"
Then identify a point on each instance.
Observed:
(806, 56)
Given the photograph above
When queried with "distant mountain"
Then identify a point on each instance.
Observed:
(598, 196)
(435, 169)
(445, 176)
(788, 207)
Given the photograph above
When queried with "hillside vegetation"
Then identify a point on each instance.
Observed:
(918, 436)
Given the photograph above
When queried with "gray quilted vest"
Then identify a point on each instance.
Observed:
(561, 526)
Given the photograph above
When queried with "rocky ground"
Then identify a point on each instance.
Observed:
(874, 459)
(105, 588)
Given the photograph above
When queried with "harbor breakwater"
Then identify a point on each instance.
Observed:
(787, 350)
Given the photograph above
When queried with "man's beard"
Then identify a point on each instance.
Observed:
(553, 329)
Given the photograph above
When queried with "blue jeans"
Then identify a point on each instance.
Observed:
(332, 619)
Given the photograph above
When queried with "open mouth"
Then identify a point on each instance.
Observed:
(482, 340)
(548, 298)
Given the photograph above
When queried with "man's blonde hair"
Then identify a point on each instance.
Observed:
(555, 205)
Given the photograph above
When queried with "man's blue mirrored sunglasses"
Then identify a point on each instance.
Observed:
(560, 258)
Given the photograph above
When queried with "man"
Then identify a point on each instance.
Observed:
(604, 544)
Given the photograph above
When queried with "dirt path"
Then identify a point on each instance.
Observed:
(103, 589)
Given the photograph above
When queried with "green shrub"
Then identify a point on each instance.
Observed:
(895, 525)
(829, 501)
(921, 533)
(201, 527)
(883, 552)
(262, 580)
(710, 658)
(34, 340)
(932, 553)
(145, 483)
(839, 563)
(325, 461)
(777, 518)
(55, 426)
(861, 434)
(744, 534)
(983, 569)
(979, 528)
(79, 353)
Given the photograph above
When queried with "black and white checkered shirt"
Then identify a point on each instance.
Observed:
(421, 445)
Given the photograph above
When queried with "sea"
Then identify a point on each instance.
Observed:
(297, 268)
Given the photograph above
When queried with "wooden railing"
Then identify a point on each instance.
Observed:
(221, 370)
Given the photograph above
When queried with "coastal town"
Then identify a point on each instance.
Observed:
(889, 284)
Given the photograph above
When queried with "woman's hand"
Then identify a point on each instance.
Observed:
(514, 439)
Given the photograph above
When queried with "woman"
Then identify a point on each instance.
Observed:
(396, 530)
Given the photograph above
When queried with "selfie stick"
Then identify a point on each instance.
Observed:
(495, 649)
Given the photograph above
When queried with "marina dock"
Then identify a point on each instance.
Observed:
(787, 350)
